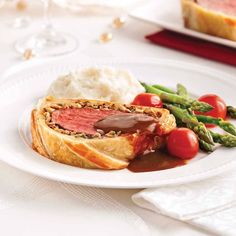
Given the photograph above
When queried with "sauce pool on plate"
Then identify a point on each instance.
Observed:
(154, 161)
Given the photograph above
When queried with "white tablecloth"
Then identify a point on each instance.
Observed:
(31, 205)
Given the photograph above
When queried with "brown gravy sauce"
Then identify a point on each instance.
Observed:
(130, 123)
(126, 123)
(158, 160)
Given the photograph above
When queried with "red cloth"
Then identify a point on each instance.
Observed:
(199, 47)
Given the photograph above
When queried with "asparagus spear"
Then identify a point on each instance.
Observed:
(179, 122)
(226, 140)
(174, 98)
(231, 111)
(163, 88)
(203, 133)
(192, 123)
(205, 146)
(182, 91)
(225, 125)
(182, 114)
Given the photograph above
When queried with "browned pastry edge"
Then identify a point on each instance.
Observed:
(37, 142)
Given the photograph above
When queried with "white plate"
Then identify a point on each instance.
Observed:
(167, 14)
(20, 92)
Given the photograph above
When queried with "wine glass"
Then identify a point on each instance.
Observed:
(47, 42)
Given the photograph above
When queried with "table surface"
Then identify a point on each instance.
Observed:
(73, 210)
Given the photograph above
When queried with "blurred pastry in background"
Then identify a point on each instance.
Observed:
(214, 17)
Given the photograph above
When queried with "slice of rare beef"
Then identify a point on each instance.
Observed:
(80, 119)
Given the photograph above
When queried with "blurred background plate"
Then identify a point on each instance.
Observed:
(167, 14)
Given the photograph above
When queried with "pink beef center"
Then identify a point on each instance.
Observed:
(80, 119)
(224, 6)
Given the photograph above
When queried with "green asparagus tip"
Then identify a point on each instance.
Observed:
(231, 112)
(226, 140)
(204, 146)
(200, 106)
(181, 90)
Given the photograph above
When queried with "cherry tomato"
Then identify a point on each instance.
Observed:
(183, 143)
(147, 99)
(219, 107)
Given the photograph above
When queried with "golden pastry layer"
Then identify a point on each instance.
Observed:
(111, 150)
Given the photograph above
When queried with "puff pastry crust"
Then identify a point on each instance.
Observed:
(98, 152)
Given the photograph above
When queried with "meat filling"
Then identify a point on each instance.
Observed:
(89, 121)
(80, 120)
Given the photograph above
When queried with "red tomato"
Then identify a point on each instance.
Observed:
(147, 99)
(219, 107)
(183, 143)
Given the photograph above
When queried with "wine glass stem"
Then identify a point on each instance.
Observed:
(47, 14)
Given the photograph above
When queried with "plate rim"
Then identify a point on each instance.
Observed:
(193, 178)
